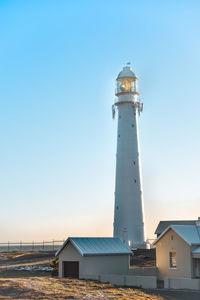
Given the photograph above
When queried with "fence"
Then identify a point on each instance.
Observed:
(52, 245)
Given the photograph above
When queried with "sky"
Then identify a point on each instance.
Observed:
(58, 64)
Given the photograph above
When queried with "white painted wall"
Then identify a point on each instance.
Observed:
(69, 253)
(128, 214)
(181, 283)
(172, 242)
(146, 282)
(109, 264)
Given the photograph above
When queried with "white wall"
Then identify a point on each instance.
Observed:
(181, 283)
(69, 253)
(112, 264)
(147, 282)
(172, 242)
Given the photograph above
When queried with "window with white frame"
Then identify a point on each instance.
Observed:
(172, 259)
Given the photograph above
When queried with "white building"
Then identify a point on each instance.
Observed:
(128, 213)
(178, 256)
(102, 259)
(86, 258)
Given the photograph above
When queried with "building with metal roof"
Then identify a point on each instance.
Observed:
(178, 252)
(165, 224)
(81, 257)
(97, 246)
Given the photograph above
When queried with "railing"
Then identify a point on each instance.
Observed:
(52, 245)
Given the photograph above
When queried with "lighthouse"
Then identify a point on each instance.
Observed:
(128, 210)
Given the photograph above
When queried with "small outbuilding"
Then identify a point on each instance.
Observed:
(178, 252)
(85, 257)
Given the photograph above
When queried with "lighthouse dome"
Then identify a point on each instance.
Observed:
(126, 72)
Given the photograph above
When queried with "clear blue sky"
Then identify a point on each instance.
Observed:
(58, 64)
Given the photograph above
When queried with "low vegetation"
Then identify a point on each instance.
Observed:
(17, 282)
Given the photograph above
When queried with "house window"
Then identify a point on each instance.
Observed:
(172, 259)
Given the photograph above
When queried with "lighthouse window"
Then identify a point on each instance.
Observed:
(118, 135)
(132, 125)
(134, 162)
(117, 207)
(135, 180)
(119, 117)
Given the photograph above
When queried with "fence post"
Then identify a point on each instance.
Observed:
(32, 245)
(53, 245)
(20, 246)
(8, 246)
(43, 245)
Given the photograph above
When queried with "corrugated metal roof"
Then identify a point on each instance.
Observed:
(189, 233)
(164, 224)
(197, 250)
(97, 246)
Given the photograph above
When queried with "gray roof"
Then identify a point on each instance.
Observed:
(197, 250)
(164, 224)
(97, 246)
(126, 72)
(189, 233)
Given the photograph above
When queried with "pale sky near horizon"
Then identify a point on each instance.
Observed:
(58, 64)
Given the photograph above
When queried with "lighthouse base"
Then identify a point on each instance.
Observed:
(139, 246)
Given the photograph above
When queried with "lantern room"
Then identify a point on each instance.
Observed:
(126, 82)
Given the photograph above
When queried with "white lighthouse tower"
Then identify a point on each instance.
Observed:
(128, 214)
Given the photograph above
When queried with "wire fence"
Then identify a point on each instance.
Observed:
(52, 245)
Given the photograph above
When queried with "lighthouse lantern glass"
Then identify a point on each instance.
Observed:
(126, 85)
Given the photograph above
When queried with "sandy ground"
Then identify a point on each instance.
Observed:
(18, 282)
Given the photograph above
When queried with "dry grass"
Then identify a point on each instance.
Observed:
(45, 287)
(21, 284)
